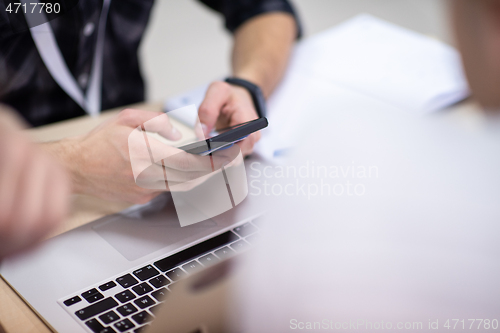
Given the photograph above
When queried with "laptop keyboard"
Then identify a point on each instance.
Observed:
(128, 302)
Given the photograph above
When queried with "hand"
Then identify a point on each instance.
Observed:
(227, 105)
(34, 189)
(114, 162)
(99, 161)
(161, 167)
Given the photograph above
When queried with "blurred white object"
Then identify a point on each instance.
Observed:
(413, 245)
(390, 63)
(362, 63)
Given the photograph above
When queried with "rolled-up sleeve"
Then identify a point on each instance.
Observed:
(236, 12)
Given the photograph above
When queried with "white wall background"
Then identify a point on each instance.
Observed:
(186, 44)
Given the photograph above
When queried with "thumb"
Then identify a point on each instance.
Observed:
(217, 96)
(156, 122)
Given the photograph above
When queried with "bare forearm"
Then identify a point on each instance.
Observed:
(65, 152)
(261, 49)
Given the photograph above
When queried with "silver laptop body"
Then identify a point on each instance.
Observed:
(80, 281)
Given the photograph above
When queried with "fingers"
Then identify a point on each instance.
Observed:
(177, 166)
(248, 143)
(226, 105)
(186, 162)
(158, 178)
(189, 185)
(178, 159)
(160, 173)
(142, 199)
(157, 122)
(162, 125)
(217, 96)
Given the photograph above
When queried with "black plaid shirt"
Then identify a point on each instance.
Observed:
(27, 86)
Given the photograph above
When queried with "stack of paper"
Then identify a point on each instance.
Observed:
(385, 61)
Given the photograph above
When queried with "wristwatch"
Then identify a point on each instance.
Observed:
(257, 96)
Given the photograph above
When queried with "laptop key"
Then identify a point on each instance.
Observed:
(124, 325)
(224, 253)
(125, 296)
(240, 246)
(95, 298)
(94, 325)
(159, 281)
(109, 317)
(175, 274)
(127, 281)
(142, 289)
(245, 229)
(141, 329)
(126, 309)
(72, 300)
(90, 292)
(92, 295)
(192, 266)
(94, 309)
(107, 286)
(160, 294)
(254, 239)
(146, 273)
(209, 259)
(144, 302)
(107, 330)
(142, 317)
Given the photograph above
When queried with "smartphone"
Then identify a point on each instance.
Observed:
(225, 137)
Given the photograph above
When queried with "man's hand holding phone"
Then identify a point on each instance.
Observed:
(226, 105)
(99, 161)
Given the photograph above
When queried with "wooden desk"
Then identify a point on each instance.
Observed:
(15, 314)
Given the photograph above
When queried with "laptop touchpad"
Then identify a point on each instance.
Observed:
(138, 233)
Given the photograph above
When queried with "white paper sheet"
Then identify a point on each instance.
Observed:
(387, 62)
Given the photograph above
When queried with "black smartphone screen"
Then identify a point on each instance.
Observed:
(228, 136)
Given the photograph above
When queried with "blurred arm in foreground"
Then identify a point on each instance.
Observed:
(34, 188)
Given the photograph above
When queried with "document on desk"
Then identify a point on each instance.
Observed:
(364, 62)
(377, 58)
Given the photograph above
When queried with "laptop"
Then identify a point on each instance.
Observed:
(112, 275)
